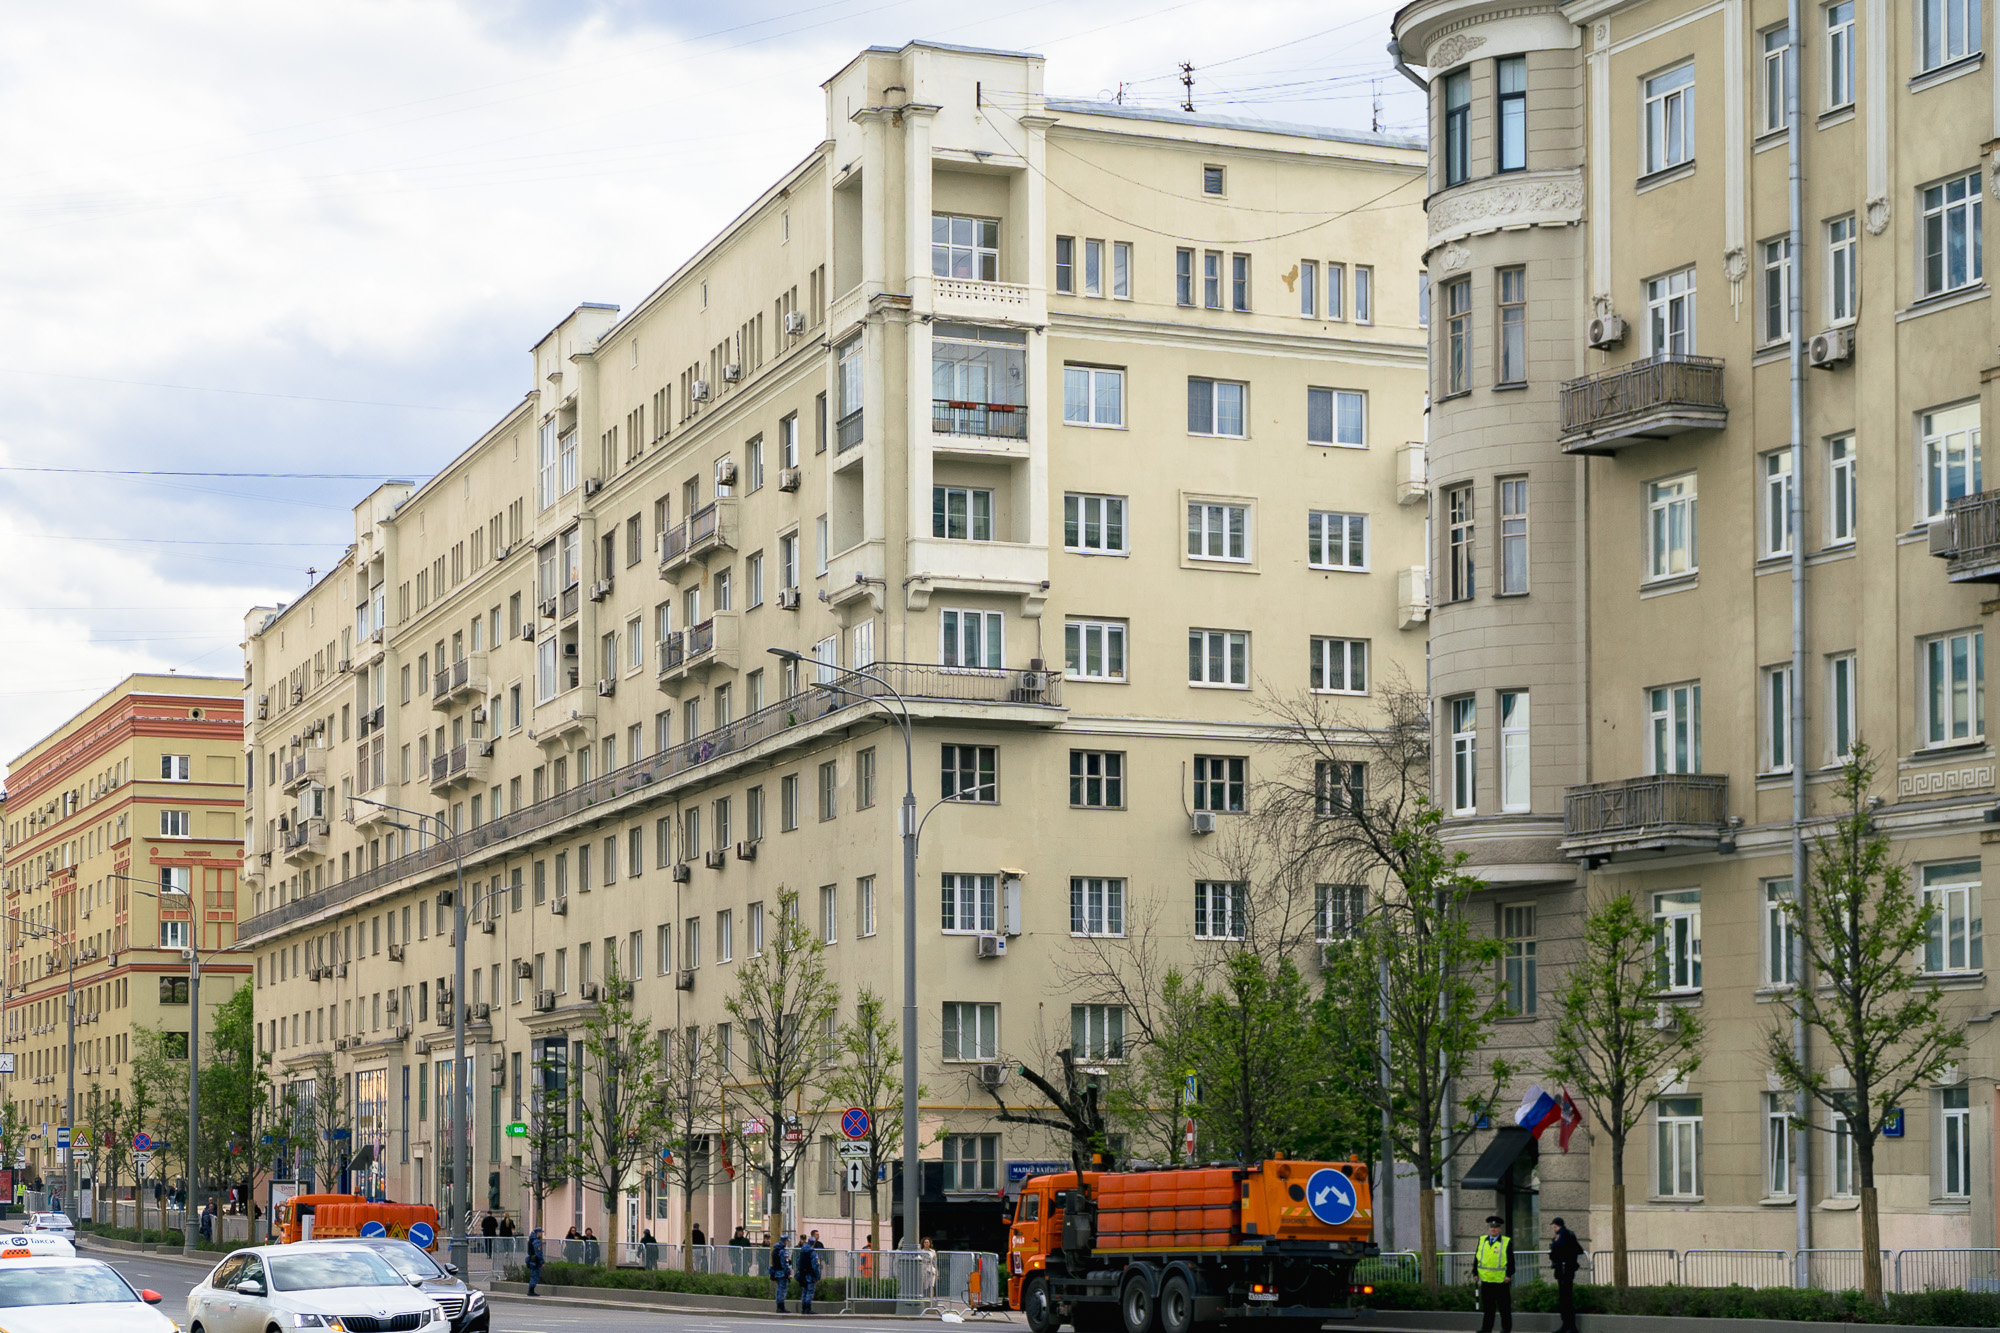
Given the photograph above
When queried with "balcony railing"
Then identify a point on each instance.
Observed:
(1657, 812)
(1659, 396)
(370, 722)
(999, 421)
(570, 597)
(917, 682)
(847, 432)
(703, 525)
(700, 639)
(1968, 538)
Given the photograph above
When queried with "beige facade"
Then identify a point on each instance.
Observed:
(123, 836)
(1019, 403)
(1610, 475)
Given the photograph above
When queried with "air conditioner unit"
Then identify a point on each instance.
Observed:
(1204, 821)
(716, 859)
(698, 391)
(506, 549)
(263, 708)
(746, 851)
(990, 946)
(545, 1001)
(396, 952)
(684, 979)
(569, 650)
(548, 608)
(1831, 350)
(587, 991)
(523, 969)
(486, 749)
(392, 1004)
(789, 478)
(500, 1076)
(725, 472)
(732, 371)
(487, 925)
(795, 321)
(992, 1076)
(479, 712)
(1606, 330)
(402, 1032)
(682, 874)
(340, 1043)
(559, 905)
(600, 590)
(607, 687)
(788, 599)
(345, 665)
(528, 632)
(481, 1012)
(591, 486)
(340, 970)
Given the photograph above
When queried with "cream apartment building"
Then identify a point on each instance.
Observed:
(1617, 701)
(1088, 429)
(123, 833)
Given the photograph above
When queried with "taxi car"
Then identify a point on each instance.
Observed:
(51, 1295)
(36, 1245)
(55, 1223)
(342, 1287)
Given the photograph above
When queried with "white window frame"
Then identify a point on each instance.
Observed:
(1234, 646)
(1949, 452)
(1843, 1172)
(1780, 1146)
(177, 823)
(1462, 723)
(1084, 403)
(173, 934)
(1094, 650)
(1516, 786)
(1843, 298)
(1514, 555)
(1951, 671)
(1121, 270)
(1089, 522)
(1951, 901)
(176, 767)
(1839, 56)
(1346, 416)
(1093, 267)
(980, 1021)
(1219, 909)
(1097, 906)
(1677, 941)
(1670, 313)
(1775, 706)
(1097, 1031)
(969, 903)
(1364, 293)
(1673, 727)
(1781, 959)
(1673, 528)
(1955, 1142)
(974, 518)
(1841, 497)
(1678, 1147)
(1338, 911)
(1520, 942)
(1309, 288)
(1779, 70)
(1220, 531)
(1947, 31)
(1944, 207)
(1337, 541)
(1775, 257)
(1843, 707)
(965, 635)
(1219, 418)
(1667, 118)
(1339, 666)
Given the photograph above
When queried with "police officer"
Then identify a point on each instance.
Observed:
(1494, 1264)
(1565, 1253)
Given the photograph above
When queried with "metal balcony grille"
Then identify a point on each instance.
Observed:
(1662, 383)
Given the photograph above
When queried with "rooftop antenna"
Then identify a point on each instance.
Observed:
(1375, 116)
(1187, 82)
(311, 574)
(1121, 92)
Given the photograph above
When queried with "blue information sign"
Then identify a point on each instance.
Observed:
(421, 1235)
(372, 1229)
(1331, 1196)
(1892, 1124)
(1020, 1171)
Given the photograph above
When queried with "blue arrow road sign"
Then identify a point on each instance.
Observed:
(1330, 1195)
(376, 1229)
(421, 1235)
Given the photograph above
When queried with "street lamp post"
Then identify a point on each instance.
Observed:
(461, 1147)
(907, 823)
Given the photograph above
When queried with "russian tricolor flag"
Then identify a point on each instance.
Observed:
(1538, 1111)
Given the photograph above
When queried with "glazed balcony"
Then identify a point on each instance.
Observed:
(1651, 399)
(1967, 538)
(1657, 813)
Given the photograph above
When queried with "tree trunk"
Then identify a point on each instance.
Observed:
(1871, 1247)
(1427, 1235)
(874, 1210)
(687, 1231)
(1621, 1273)
(611, 1230)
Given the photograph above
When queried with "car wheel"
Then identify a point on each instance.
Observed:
(1176, 1305)
(1039, 1310)
(1136, 1307)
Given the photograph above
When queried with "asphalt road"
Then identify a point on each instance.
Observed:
(174, 1279)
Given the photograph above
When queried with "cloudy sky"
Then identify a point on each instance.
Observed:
(317, 240)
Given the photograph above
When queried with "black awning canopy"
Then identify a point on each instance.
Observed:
(1493, 1166)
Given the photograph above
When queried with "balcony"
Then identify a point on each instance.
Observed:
(564, 717)
(992, 421)
(307, 768)
(978, 302)
(706, 532)
(571, 600)
(371, 722)
(1658, 813)
(463, 679)
(305, 843)
(1967, 538)
(847, 432)
(462, 764)
(696, 651)
(1651, 399)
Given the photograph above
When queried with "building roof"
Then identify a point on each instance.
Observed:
(1080, 106)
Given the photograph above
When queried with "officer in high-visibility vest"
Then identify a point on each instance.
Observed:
(1494, 1264)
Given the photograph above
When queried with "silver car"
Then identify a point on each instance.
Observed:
(279, 1288)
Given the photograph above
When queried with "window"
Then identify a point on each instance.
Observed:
(970, 903)
(1952, 245)
(1777, 711)
(173, 934)
(1364, 294)
(1843, 720)
(1670, 314)
(1513, 536)
(1218, 909)
(1457, 127)
(978, 381)
(1239, 282)
(1515, 793)
(1840, 54)
(1462, 714)
(1777, 289)
(1309, 288)
(1336, 541)
(1097, 779)
(1094, 524)
(970, 773)
(1780, 1172)
(1954, 685)
(1096, 906)
(971, 1031)
(176, 823)
(1339, 666)
(1680, 1146)
(1674, 731)
(1950, 440)
(1948, 30)
(1219, 657)
(1336, 416)
(1458, 336)
(1336, 291)
(788, 803)
(1121, 270)
(1677, 940)
(970, 639)
(1066, 264)
(175, 879)
(1218, 783)
(1775, 471)
(1512, 309)
(829, 914)
(1955, 1142)
(1094, 649)
(1669, 129)
(1211, 279)
(1670, 528)
(1184, 277)
(1218, 531)
(174, 767)
(1093, 396)
(829, 790)
(753, 580)
(962, 513)
(820, 549)
(1215, 407)
(966, 248)
(1951, 900)
(1459, 559)
(970, 1159)
(1338, 911)
(864, 906)
(1211, 180)
(1097, 1031)
(1093, 268)
(1780, 76)
(1840, 462)
(1843, 299)
(864, 779)
(1513, 79)
(1423, 300)
(1518, 989)
(1843, 1173)
(1780, 937)
(1339, 787)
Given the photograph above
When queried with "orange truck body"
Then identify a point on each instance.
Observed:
(341, 1217)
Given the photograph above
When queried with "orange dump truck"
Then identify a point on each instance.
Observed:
(345, 1216)
(1164, 1251)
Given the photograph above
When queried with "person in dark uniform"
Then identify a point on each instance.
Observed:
(1493, 1262)
(1565, 1253)
(781, 1269)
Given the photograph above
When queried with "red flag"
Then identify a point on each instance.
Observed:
(1571, 1118)
(727, 1165)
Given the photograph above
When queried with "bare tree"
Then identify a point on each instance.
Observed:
(691, 1113)
(548, 1126)
(621, 1114)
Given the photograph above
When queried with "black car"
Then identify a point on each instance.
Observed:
(465, 1306)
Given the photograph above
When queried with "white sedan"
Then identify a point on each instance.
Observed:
(74, 1296)
(55, 1223)
(279, 1288)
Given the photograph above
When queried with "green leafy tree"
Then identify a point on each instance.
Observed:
(621, 1114)
(331, 1122)
(1615, 1040)
(160, 1066)
(693, 1121)
(105, 1118)
(548, 1127)
(232, 1089)
(1866, 942)
(870, 1075)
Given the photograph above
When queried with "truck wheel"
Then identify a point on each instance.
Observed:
(1176, 1305)
(1136, 1307)
(1036, 1305)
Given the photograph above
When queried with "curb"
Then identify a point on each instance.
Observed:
(688, 1301)
(1453, 1321)
(172, 1253)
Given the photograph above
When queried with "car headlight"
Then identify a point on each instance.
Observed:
(317, 1321)
(475, 1300)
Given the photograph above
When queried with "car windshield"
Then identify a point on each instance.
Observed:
(330, 1268)
(409, 1260)
(90, 1284)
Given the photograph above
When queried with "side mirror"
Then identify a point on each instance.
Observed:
(250, 1287)
(451, 1269)
(150, 1297)
(415, 1281)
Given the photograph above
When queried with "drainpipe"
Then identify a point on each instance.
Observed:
(1396, 58)
(1795, 170)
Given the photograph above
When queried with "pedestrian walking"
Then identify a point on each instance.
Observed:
(489, 1228)
(809, 1271)
(590, 1248)
(1493, 1262)
(928, 1254)
(1565, 1253)
(507, 1225)
(739, 1251)
(650, 1248)
(534, 1259)
(781, 1269)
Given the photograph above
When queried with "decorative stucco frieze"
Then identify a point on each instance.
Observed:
(1453, 50)
(1538, 199)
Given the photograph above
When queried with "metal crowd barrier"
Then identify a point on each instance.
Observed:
(1644, 1268)
(1931, 1270)
(1736, 1268)
(1836, 1270)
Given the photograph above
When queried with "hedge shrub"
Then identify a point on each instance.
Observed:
(155, 1236)
(700, 1284)
(1933, 1309)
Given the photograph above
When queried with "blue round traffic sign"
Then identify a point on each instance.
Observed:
(142, 1142)
(423, 1237)
(373, 1229)
(855, 1122)
(1330, 1195)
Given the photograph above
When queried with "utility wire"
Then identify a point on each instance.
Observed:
(253, 476)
